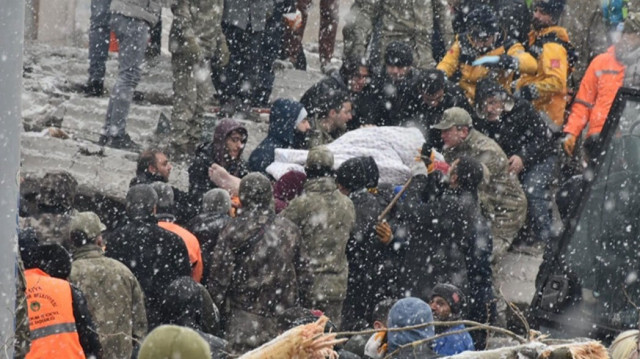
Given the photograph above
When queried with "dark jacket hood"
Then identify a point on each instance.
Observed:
(282, 120)
(224, 129)
(256, 193)
(358, 173)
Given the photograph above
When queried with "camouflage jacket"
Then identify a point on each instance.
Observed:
(325, 216)
(196, 21)
(500, 194)
(409, 21)
(114, 298)
(49, 227)
(256, 274)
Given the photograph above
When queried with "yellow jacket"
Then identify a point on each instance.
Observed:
(547, 88)
(459, 58)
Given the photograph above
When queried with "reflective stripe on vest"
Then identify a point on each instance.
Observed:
(51, 319)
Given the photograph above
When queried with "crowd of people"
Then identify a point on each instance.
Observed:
(242, 256)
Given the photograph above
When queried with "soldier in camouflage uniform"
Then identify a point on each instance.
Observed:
(54, 207)
(409, 21)
(253, 273)
(326, 218)
(113, 294)
(196, 39)
(501, 196)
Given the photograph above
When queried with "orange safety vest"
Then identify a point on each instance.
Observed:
(193, 247)
(51, 320)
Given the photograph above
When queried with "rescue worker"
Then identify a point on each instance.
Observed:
(501, 195)
(549, 44)
(196, 43)
(415, 27)
(482, 51)
(254, 272)
(54, 207)
(113, 293)
(331, 119)
(600, 84)
(60, 323)
(326, 217)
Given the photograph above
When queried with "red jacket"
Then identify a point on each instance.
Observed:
(598, 89)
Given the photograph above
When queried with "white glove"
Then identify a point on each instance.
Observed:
(372, 348)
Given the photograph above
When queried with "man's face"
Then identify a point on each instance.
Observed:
(433, 100)
(541, 19)
(162, 167)
(303, 126)
(440, 308)
(343, 116)
(483, 44)
(454, 136)
(397, 73)
(234, 144)
(359, 80)
(493, 107)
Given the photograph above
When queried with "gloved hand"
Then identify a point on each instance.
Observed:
(569, 144)
(503, 61)
(192, 51)
(529, 92)
(384, 233)
(485, 60)
(221, 56)
(419, 169)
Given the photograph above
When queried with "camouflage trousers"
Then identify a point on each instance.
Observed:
(192, 92)
(504, 229)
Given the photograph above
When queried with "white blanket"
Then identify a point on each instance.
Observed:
(393, 148)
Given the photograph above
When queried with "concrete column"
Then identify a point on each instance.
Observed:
(11, 38)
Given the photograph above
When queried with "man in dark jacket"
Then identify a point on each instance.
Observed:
(353, 78)
(431, 93)
(370, 255)
(287, 127)
(208, 225)
(154, 166)
(154, 255)
(46, 266)
(384, 100)
(449, 238)
(225, 150)
(253, 275)
(528, 143)
(513, 16)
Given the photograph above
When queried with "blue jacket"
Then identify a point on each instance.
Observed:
(455, 343)
(282, 134)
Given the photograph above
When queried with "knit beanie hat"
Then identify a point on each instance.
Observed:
(172, 341)
(451, 294)
(352, 174)
(551, 7)
(398, 54)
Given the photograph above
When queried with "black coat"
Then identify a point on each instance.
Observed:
(371, 264)
(521, 131)
(155, 256)
(383, 102)
(207, 228)
(448, 241)
(416, 113)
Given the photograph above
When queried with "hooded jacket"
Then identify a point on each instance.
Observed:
(598, 89)
(207, 228)
(253, 274)
(154, 255)
(215, 152)
(409, 312)
(282, 134)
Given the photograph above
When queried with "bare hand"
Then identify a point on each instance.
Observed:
(515, 164)
(383, 231)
